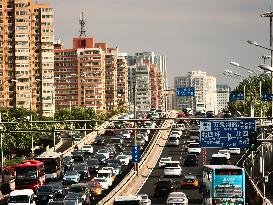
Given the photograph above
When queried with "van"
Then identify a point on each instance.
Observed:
(173, 140)
(22, 197)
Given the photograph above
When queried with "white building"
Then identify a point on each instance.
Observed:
(205, 91)
(222, 96)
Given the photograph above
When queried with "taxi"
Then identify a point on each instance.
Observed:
(189, 181)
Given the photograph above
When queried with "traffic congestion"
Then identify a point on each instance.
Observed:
(90, 172)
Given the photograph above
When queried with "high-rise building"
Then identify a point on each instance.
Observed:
(149, 70)
(91, 75)
(205, 91)
(222, 96)
(27, 57)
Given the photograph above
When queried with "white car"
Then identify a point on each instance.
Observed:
(176, 132)
(181, 127)
(145, 199)
(124, 159)
(23, 197)
(177, 198)
(163, 160)
(102, 181)
(194, 148)
(234, 150)
(126, 134)
(172, 168)
(88, 148)
(225, 152)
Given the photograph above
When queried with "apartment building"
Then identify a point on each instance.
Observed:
(147, 63)
(26, 55)
(90, 74)
(222, 96)
(205, 91)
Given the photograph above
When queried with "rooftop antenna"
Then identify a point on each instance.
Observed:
(82, 26)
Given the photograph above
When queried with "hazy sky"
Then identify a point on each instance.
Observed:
(194, 34)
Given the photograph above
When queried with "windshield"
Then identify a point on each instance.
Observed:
(193, 145)
(70, 201)
(92, 162)
(79, 166)
(172, 165)
(100, 180)
(45, 189)
(126, 202)
(71, 173)
(26, 173)
(19, 199)
(76, 189)
(173, 138)
(102, 175)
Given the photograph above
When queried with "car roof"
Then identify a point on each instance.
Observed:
(27, 192)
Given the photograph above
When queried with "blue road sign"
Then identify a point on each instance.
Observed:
(266, 97)
(233, 96)
(185, 91)
(226, 133)
(136, 154)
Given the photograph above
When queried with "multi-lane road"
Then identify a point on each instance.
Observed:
(179, 153)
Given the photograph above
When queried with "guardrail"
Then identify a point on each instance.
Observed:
(130, 176)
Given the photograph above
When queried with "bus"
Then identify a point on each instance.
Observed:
(52, 163)
(29, 174)
(223, 185)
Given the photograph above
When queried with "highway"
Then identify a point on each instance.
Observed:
(178, 153)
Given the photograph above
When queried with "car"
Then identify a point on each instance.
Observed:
(116, 168)
(181, 114)
(95, 188)
(128, 153)
(46, 193)
(180, 126)
(172, 168)
(219, 159)
(93, 165)
(111, 148)
(78, 155)
(191, 159)
(162, 188)
(227, 114)
(73, 198)
(55, 203)
(100, 140)
(145, 199)
(114, 172)
(209, 114)
(82, 169)
(144, 136)
(200, 113)
(58, 188)
(194, 148)
(68, 162)
(76, 138)
(101, 158)
(173, 140)
(176, 132)
(107, 174)
(225, 152)
(105, 152)
(102, 181)
(71, 177)
(234, 150)
(126, 134)
(177, 198)
(87, 148)
(194, 134)
(140, 140)
(163, 160)
(124, 159)
(189, 181)
(81, 189)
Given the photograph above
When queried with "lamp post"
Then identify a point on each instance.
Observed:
(265, 67)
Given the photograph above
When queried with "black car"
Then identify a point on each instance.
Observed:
(164, 187)
(113, 161)
(191, 160)
(82, 169)
(58, 188)
(81, 189)
(101, 158)
(46, 193)
(93, 165)
(99, 140)
(68, 162)
(210, 114)
(78, 155)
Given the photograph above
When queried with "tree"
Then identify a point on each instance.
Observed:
(252, 88)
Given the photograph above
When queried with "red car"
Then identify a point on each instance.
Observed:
(181, 114)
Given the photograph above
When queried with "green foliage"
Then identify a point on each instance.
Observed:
(252, 91)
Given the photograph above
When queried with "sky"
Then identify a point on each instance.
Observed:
(194, 34)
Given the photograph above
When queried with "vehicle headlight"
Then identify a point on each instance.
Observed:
(50, 195)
